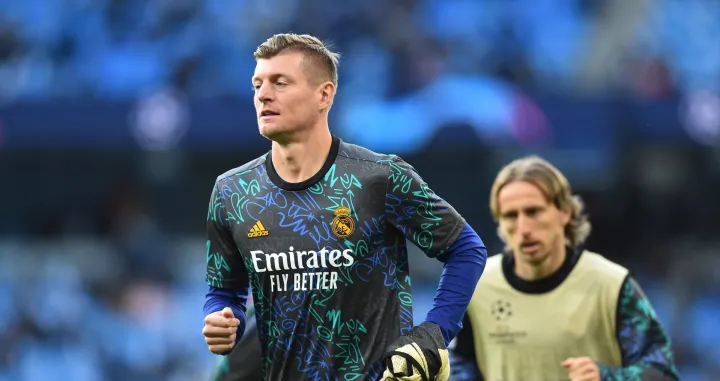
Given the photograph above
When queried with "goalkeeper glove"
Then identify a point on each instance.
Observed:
(419, 355)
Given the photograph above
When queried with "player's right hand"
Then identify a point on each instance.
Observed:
(220, 331)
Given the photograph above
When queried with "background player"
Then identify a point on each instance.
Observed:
(318, 228)
(548, 309)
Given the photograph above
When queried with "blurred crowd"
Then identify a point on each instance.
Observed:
(116, 295)
(124, 48)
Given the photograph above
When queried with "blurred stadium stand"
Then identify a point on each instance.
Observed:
(116, 116)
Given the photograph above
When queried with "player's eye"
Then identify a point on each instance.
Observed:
(280, 84)
(509, 216)
(532, 212)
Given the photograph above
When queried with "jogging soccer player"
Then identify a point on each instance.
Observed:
(317, 228)
(549, 309)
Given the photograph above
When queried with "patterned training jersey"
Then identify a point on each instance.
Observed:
(326, 259)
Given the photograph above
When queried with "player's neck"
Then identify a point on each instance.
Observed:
(300, 158)
(548, 267)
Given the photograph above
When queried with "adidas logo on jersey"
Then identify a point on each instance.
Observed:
(258, 230)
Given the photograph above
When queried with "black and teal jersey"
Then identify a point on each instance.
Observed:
(326, 259)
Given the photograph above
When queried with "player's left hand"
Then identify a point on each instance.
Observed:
(582, 369)
(418, 355)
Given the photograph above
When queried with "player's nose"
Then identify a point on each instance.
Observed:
(523, 225)
(264, 93)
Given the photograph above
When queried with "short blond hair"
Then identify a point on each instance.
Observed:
(318, 54)
(553, 184)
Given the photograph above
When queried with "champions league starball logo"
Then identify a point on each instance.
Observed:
(501, 310)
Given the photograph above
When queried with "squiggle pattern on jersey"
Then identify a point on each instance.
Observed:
(644, 343)
(409, 197)
(302, 325)
(411, 206)
(217, 267)
(216, 264)
(292, 325)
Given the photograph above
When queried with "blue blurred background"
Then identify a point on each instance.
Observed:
(117, 115)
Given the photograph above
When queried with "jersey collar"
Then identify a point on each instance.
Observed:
(543, 285)
(282, 184)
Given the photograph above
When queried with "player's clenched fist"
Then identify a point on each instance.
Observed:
(220, 331)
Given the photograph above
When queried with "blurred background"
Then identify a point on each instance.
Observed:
(117, 115)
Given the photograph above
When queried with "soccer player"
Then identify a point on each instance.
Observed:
(548, 309)
(316, 228)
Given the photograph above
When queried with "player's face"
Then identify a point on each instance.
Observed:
(532, 226)
(285, 100)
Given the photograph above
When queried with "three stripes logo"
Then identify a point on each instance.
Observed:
(258, 230)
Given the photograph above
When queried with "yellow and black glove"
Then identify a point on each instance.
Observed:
(419, 355)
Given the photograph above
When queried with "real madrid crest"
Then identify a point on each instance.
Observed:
(343, 225)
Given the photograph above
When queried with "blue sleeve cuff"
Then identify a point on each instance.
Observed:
(217, 299)
(464, 264)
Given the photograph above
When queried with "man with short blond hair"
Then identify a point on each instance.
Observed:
(548, 309)
(316, 228)
(320, 63)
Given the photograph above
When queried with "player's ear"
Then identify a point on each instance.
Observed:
(327, 94)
